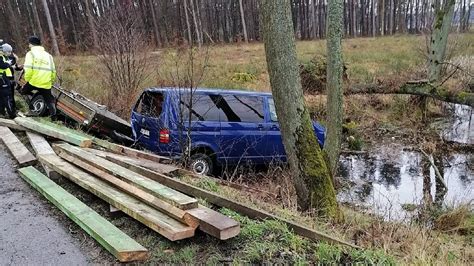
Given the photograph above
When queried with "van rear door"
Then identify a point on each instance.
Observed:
(148, 118)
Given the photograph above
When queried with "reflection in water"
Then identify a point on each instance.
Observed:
(461, 128)
(389, 177)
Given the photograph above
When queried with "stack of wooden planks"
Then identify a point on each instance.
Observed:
(135, 182)
(100, 167)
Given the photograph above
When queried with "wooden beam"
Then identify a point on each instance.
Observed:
(156, 189)
(152, 165)
(60, 132)
(215, 223)
(241, 187)
(41, 147)
(151, 217)
(147, 198)
(233, 205)
(124, 248)
(11, 124)
(22, 155)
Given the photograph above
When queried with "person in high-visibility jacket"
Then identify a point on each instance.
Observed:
(7, 64)
(40, 73)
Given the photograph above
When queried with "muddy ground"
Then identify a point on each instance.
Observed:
(32, 231)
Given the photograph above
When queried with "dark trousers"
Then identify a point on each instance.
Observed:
(46, 93)
(7, 101)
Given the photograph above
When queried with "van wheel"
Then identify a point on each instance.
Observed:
(201, 164)
(38, 105)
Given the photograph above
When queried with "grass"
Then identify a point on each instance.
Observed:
(243, 66)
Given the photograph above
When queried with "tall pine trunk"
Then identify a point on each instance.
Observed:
(54, 40)
(188, 24)
(334, 87)
(242, 18)
(155, 23)
(311, 176)
(90, 20)
(37, 19)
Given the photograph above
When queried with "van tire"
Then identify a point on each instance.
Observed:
(37, 105)
(201, 164)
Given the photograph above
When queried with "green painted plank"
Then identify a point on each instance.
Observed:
(22, 155)
(154, 219)
(124, 248)
(156, 189)
(59, 133)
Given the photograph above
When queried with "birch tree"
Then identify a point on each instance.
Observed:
(439, 38)
(311, 176)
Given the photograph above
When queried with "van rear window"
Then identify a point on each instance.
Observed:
(151, 104)
(242, 109)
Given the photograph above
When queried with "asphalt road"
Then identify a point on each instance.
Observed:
(31, 229)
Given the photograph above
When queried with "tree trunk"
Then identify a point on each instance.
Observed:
(374, 27)
(188, 24)
(54, 40)
(439, 39)
(73, 25)
(92, 28)
(311, 175)
(242, 17)
(335, 99)
(37, 19)
(419, 88)
(382, 18)
(18, 40)
(155, 23)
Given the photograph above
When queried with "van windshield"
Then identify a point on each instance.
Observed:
(151, 104)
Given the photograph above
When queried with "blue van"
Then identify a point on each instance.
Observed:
(221, 127)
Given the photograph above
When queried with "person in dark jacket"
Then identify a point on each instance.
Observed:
(7, 66)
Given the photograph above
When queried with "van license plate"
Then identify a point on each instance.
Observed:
(145, 132)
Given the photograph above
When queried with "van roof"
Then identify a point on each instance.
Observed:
(211, 91)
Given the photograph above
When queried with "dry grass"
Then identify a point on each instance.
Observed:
(408, 242)
(368, 60)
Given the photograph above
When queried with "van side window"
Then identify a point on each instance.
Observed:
(273, 114)
(203, 107)
(239, 108)
(151, 104)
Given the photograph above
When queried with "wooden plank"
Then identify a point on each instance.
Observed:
(41, 147)
(158, 190)
(147, 198)
(58, 133)
(233, 205)
(124, 248)
(143, 155)
(157, 167)
(22, 155)
(11, 124)
(153, 218)
(215, 223)
(179, 171)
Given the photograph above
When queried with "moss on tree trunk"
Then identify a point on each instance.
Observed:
(310, 173)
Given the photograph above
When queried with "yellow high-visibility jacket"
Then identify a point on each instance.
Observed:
(5, 68)
(40, 70)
